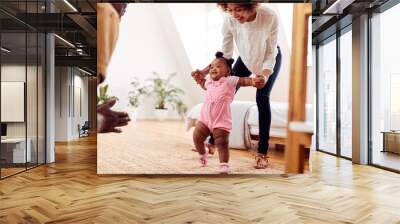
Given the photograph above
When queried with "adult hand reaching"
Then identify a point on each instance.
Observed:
(266, 73)
(109, 120)
(259, 81)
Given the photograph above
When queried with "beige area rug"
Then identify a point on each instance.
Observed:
(164, 147)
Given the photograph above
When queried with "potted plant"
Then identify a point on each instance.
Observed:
(103, 96)
(134, 96)
(166, 93)
(180, 107)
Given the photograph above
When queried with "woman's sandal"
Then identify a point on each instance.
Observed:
(203, 159)
(261, 161)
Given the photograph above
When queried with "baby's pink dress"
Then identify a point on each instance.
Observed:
(216, 110)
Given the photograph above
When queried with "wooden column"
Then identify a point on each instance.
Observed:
(294, 150)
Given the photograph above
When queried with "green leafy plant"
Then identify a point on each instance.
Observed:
(137, 91)
(165, 93)
(181, 108)
(103, 96)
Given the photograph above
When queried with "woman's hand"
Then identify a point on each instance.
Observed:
(109, 120)
(259, 81)
(266, 73)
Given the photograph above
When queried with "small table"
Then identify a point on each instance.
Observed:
(391, 141)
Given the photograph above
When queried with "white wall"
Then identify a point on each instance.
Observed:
(13, 100)
(33, 127)
(178, 38)
(16, 73)
(67, 115)
(146, 47)
(80, 103)
(61, 103)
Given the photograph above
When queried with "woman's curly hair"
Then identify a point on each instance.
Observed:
(246, 6)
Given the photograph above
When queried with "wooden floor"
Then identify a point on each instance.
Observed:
(70, 191)
(164, 147)
(10, 171)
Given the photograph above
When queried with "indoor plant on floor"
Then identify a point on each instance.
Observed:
(165, 93)
(103, 96)
(134, 96)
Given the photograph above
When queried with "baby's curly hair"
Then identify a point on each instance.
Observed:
(229, 62)
(247, 6)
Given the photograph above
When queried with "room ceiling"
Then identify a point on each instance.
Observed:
(337, 15)
(76, 27)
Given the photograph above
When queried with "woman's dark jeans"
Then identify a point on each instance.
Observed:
(262, 99)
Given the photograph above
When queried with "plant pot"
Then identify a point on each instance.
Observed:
(161, 114)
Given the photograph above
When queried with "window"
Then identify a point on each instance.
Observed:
(22, 76)
(327, 96)
(394, 102)
(346, 94)
(385, 89)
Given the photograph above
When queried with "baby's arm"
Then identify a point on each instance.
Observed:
(246, 81)
(202, 83)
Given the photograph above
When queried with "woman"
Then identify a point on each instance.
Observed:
(254, 30)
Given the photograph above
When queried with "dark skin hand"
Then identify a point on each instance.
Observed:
(112, 119)
(259, 80)
(198, 76)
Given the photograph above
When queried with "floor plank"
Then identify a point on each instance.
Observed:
(70, 191)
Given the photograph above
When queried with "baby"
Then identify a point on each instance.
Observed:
(215, 115)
